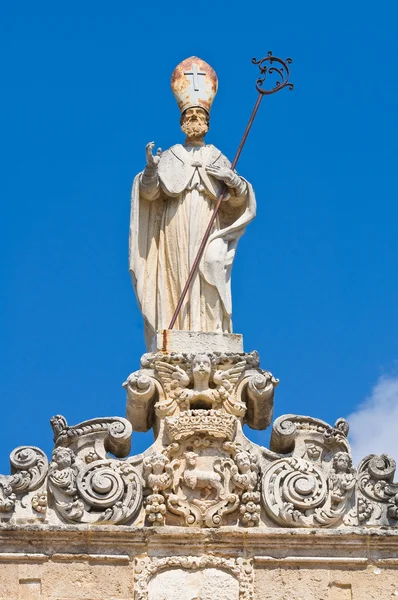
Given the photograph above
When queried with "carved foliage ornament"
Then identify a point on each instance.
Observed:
(29, 469)
(203, 472)
(377, 494)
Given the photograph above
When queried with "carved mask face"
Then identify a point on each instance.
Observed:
(243, 461)
(342, 463)
(63, 458)
(158, 463)
(201, 367)
(195, 122)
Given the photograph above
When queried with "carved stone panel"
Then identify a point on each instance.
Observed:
(199, 584)
(202, 476)
(193, 578)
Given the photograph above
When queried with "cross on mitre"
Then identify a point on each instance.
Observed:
(194, 83)
(195, 77)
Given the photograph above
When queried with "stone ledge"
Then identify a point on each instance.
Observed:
(264, 544)
(174, 340)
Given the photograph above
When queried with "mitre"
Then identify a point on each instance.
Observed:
(194, 83)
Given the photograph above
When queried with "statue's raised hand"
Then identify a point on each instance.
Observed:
(152, 160)
(228, 176)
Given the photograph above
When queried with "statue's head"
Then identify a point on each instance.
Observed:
(195, 122)
(194, 84)
(201, 367)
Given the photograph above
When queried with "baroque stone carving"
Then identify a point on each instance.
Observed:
(313, 486)
(202, 475)
(170, 384)
(29, 467)
(147, 567)
(377, 500)
(201, 470)
(85, 485)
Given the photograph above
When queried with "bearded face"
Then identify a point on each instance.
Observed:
(195, 123)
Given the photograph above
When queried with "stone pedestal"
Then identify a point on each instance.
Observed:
(173, 340)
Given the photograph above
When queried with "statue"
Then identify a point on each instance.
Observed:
(172, 202)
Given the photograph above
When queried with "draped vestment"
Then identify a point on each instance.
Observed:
(170, 211)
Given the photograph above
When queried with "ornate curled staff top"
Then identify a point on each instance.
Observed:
(282, 70)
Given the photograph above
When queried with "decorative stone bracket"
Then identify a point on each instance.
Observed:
(170, 383)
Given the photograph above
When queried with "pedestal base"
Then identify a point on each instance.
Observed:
(174, 340)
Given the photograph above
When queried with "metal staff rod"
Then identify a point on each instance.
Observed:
(277, 67)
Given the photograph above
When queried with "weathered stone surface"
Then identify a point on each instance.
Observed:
(174, 340)
(203, 514)
(169, 383)
(83, 562)
(201, 470)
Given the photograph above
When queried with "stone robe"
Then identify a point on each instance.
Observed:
(170, 211)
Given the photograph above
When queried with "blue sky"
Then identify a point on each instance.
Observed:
(84, 86)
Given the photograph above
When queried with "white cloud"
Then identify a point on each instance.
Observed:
(374, 425)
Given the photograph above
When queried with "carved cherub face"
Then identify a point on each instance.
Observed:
(243, 461)
(157, 462)
(201, 367)
(195, 122)
(342, 462)
(63, 457)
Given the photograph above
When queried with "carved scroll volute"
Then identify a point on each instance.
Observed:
(98, 436)
(377, 502)
(142, 391)
(259, 398)
(29, 467)
(295, 432)
(314, 484)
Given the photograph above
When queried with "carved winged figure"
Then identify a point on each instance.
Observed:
(226, 381)
(175, 381)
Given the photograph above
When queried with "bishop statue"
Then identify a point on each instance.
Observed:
(172, 202)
